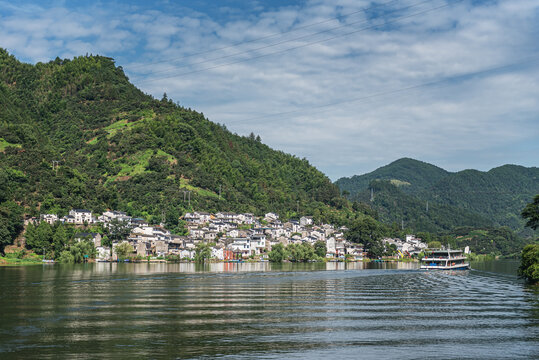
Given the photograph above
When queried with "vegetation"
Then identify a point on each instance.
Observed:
(531, 213)
(277, 253)
(118, 148)
(392, 204)
(77, 253)
(369, 233)
(529, 266)
(21, 257)
(465, 198)
(303, 252)
(124, 250)
(76, 134)
(203, 252)
(412, 175)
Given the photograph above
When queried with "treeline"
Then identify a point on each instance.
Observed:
(57, 242)
(303, 252)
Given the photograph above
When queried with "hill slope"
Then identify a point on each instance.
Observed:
(395, 206)
(498, 195)
(119, 148)
(412, 175)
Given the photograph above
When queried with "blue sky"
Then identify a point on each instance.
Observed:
(350, 85)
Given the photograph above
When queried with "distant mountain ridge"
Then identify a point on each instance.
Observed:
(497, 195)
(418, 174)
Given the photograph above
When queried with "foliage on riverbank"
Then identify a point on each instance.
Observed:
(529, 266)
(298, 252)
(22, 257)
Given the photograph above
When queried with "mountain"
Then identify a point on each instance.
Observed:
(499, 194)
(77, 134)
(412, 175)
(469, 197)
(395, 206)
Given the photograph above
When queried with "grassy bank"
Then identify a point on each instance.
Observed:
(14, 259)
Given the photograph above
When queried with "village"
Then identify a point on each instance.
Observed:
(232, 236)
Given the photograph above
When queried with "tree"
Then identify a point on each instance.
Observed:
(59, 240)
(320, 248)
(39, 238)
(82, 250)
(202, 252)
(434, 245)
(66, 257)
(368, 232)
(531, 213)
(277, 253)
(5, 236)
(117, 231)
(124, 250)
(529, 265)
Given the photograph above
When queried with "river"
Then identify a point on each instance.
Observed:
(267, 311)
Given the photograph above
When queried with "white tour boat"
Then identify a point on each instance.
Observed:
(444, 259)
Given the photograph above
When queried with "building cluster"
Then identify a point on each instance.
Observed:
(407, 247)
(235, 236)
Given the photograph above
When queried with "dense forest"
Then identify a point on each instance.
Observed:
(77, 134)
(494, 198)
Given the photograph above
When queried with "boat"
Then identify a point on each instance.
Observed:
(444, 259)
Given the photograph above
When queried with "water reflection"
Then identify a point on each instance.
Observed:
(265, 310)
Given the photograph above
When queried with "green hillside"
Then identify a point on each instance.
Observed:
(119, 148)
(412, 175)
(395, 206)
(497, 196)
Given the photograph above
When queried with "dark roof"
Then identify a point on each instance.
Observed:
(81, 235)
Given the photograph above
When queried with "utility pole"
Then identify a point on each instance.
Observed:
(402, 224)
(55, 164)
(427, 206)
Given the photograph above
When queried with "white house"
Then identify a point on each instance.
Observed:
(258, 243)
(270, 217)
(306, 220)
(49, 218)
(81, 216)
(241, 245)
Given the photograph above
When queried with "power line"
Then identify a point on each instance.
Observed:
(300, 46)
(366, 97)
(278, 43)
(266, 36)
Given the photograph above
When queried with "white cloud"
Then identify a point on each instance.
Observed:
(476, 115)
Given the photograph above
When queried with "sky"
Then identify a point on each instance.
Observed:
(350, 85)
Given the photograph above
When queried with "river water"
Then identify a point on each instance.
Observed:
(267, 311)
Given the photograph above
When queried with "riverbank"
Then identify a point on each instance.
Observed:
(13, 260)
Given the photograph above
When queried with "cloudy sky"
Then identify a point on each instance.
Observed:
(350, 85)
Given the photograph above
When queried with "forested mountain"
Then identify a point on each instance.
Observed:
(395, 206)
(497, 196)
(412, 175)
(76, 134)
